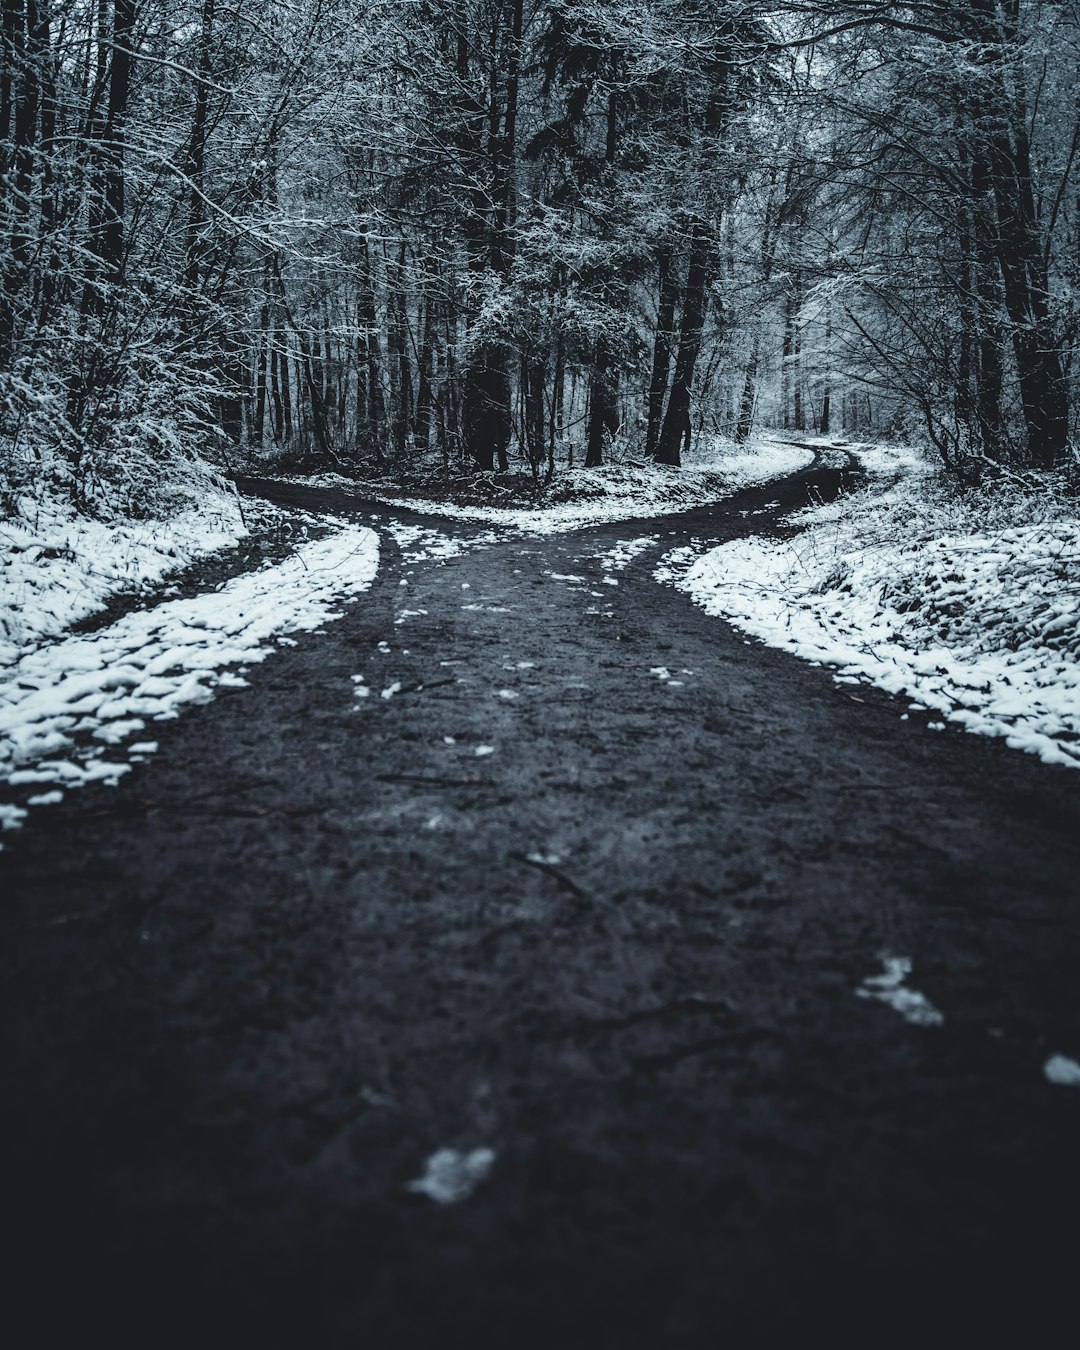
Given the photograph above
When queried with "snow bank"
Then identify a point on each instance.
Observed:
(618, 491)
(153, 663)
(969, 607)
(57, 567)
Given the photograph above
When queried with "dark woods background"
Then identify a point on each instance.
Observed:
(487, 232)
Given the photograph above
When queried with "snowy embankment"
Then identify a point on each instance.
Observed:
(967, 605)
(57, 567)
(61, 698)
(583, 497)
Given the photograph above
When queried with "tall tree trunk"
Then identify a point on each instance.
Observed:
(397, 347)
(11, 38)
(424, 391)
(487, 412)
(371, 375)
(989, 367)
(798, 416)
(52, 278)
(603, 417)
(533, 384)
(262, 362)
(662, 348)
(28, 53)
(233, 383)
(745, 421)
(695, 301)
(280, 366)
(487, 420)
(558, 384)
(451, 395)
(92, 301)
(196, 157)
(123, 35)
(824, 426)
(18, 96)
(1002, 118)
(785, 357)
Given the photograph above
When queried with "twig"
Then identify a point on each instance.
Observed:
(556, 875)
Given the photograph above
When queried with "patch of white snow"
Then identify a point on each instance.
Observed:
(1062, 1070)
(889, 988)
(451, 1175)
(154, 663)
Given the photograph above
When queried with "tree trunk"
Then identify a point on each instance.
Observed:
(196, 156)
(1002, 117)
(603, 411)
(533, 384)
(112, 251)
(745, 422)
(662, 348)
(487, 420)
(280, 365)
(370, 374)
(25, 138)
(798, 416)
(557, 402)
(695, 302)
(487, 410)
(11, 38)
(307, 370)
(424, 398)
(398, 352)
(261, 373)
(785, 357)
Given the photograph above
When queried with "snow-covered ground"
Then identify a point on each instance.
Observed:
(63, 703)
(617, 491)
(967, 605)
(57, 567)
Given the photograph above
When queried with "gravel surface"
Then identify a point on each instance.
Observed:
(323, 1029)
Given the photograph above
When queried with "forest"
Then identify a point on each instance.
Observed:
(540, 673)
(474, 235)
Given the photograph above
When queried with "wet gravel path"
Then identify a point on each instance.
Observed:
(247, 993)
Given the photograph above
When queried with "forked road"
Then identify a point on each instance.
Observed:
(323, 936)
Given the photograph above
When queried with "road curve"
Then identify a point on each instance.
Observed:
(546, 900)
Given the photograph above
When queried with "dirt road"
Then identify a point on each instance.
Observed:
(594, 886)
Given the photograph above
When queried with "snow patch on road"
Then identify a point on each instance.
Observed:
(889, 988)
(451, 1176)
(153, 663)
(673, 567)
(418, 543)
(11, 817)
(1062, 1071)
(622, 554)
